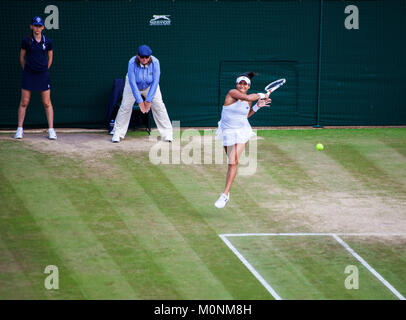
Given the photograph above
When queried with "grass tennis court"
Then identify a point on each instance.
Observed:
(119, 227)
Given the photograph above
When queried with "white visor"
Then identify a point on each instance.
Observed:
(246, 79)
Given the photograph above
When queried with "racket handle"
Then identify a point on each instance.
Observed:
(273, 89)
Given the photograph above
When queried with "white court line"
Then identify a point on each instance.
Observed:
(334, 235)
(313, 234)
(372, 270)
(251, 268)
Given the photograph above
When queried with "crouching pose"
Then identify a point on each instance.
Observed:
(142, 87)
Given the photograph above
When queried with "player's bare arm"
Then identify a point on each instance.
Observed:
(234, 95)
(50, 58)
(22, 57)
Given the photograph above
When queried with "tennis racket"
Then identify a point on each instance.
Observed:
(275, 85)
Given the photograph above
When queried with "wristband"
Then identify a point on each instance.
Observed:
(255, 108)
(261, 95)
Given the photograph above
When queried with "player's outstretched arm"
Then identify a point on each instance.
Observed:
(234, 93)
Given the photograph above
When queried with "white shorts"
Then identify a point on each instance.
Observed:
(233, 136)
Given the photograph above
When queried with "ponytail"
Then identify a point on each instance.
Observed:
(250, 74)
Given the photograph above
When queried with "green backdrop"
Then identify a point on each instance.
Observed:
(205, 46)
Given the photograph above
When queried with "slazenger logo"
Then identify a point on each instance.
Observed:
(160, 20)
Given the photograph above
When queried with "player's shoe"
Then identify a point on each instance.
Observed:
(52, 134)
(19, 133)
(116, 138)
(168, 138)
(222, 200)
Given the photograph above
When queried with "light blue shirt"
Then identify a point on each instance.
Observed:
(141, 77)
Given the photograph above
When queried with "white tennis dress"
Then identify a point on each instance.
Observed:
(234, 126)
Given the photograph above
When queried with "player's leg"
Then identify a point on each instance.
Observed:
(233, 154)
(49, 111)
(22, 108)
(161, 117)
(124, 113)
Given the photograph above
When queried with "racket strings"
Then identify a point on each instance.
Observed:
(275, 85)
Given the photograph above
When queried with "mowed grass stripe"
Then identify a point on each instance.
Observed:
(386, 254)
(326, 173)
(306, 267)
(202, 185)
(335, 189)
(398, 146)
(248, 209)
(10, 268)
(188, 273)
(282, 169)
(300, 145)
(254, 206)
(388, 159)
(147, 278)
(253, 249)
(365, 170)
(199, 235)
(211, 180)
(80, 251)
(31, 248)
(12, 275)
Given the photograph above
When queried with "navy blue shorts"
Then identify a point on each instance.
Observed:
(35, 81)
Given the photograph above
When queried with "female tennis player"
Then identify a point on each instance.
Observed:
(234, 128)
(36, 58)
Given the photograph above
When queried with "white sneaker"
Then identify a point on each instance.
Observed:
(167, 138)
(221, 202)
(19, 133)
(52, 134)
(116, 138)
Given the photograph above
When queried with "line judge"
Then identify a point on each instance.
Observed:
(142, 87)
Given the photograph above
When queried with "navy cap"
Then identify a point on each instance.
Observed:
(144, 50)
(37, 21)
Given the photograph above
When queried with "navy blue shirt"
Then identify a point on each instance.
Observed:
(37, 53)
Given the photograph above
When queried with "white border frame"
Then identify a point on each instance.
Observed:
(334, 235)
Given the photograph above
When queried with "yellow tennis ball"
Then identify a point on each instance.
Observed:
(319, 146)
